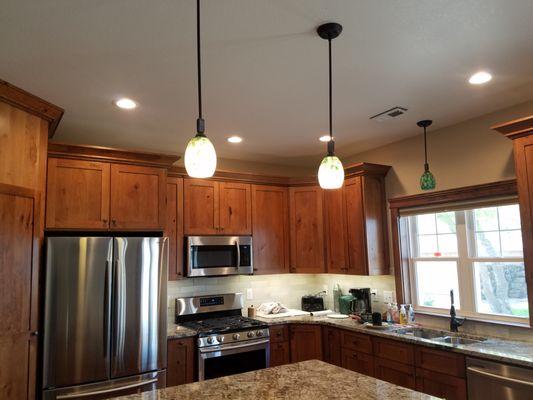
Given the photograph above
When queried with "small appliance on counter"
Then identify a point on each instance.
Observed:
(358, 303)
(313, 302)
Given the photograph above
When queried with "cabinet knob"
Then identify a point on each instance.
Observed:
(34, 333)
(114, 222)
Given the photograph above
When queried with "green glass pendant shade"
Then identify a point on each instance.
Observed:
(427, 180)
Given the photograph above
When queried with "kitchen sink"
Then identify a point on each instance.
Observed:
(437, 336)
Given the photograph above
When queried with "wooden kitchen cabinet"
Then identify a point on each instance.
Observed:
(394, 350)
(279, 345)
(181, 365)
(306, 342)
(356, 341)
(441, 385)
(395, 372)
(270, 225)
(440, 361)
(307, 229)
(521, 132)
(367, 226)
(337, 261)
(137, 197)
(174, 227)
(357, 361)
(78, 194)
(216, 208)
(331, 343)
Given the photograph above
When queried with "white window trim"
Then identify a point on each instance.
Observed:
(465, 274)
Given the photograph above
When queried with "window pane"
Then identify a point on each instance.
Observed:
(488, 244)
(509, 216)
(448, 245)
(426, 224)
(427, 245)
(501, 288)
(512, 244)
(446, 222)
(486, 219)
(434, 281)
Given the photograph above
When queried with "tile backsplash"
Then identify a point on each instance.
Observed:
(285, 288)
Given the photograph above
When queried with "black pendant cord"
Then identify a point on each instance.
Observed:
(200, 124)
(426, 165)
(331, 143)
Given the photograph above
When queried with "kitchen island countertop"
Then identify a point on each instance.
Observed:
(304, 380)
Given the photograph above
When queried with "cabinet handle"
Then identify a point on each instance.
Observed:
(114, 222)
(354, 355)
(104, 221)
(34, 333)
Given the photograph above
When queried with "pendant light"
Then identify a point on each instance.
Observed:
(427, 180)
(200, 154)
(331, 171)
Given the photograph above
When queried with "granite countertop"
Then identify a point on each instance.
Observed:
(305, 380)
(513, 352)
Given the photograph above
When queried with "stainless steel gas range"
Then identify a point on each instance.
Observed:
(228, 343)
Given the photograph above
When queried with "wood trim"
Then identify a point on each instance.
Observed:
(351, 170)
(400, 238)
(110, 154)
(501, 188)
(516, 128)
(32, 104)
(17, 191)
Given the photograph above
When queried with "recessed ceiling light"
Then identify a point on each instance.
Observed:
(125, 103)
(324, 138)
(479, 78)
(235, 139)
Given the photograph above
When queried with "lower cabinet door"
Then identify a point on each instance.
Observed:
(306, 342)
(440, 385)
(331, 340)
(180, 361)
(357, 361)
(395, 372)
(279, 354)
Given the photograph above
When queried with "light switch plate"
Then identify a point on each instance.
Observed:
(249, 294)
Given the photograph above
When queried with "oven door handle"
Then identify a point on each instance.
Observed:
(238, 253)
(233, 346)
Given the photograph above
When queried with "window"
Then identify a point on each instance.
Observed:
(475, 252)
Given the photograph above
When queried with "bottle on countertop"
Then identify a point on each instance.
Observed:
(337, 293)
(410, 315)
(390, 320)
(403, 315)
(395, 313)
(251, 311)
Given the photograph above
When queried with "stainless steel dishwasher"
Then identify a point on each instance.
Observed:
(489, 380)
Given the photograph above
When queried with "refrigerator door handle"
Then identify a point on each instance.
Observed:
(120, 312)
(107, 314)
(104, 391)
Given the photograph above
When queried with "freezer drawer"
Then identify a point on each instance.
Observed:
(489, 380)
(76, 315)
(139, 323)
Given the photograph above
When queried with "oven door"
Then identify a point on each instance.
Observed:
(219, 255)
(230, 359)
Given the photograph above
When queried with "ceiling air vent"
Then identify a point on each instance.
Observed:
(389, 114)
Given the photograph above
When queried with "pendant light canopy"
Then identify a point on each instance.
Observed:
(331, 171)
(200, 154)
(427, 180)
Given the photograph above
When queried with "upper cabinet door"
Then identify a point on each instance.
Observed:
(200, 207)
(307, 229)
(137, 197)
(174, 228)
(336, 232)
(270, 208)
(356, 226)
(77, 194)
(235, 216)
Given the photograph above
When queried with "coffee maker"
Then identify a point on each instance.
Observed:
(361, 304)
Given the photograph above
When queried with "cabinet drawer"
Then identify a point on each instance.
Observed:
(444, 362)
(356, 341)
(279, 354)
(440, 385)
(394, 350)
(279, 333)
(395, 372)
(357, 361)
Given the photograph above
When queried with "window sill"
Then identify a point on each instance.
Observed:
(477, 319)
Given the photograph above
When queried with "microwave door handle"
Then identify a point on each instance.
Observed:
(238, 254)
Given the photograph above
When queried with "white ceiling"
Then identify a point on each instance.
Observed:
(265, 69)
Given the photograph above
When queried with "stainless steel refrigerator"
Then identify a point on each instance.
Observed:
(104, 316)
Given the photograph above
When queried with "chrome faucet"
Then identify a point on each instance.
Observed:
(455, 322)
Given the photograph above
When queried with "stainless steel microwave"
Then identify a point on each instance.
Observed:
(219, 255)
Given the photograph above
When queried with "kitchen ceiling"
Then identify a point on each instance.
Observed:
(264, 69)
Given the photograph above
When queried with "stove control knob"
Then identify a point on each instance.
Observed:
(250, 334)
(236, 336)
(210, 340)
(220, 338)
(259, 333)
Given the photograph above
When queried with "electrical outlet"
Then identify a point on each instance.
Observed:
(249, 294)
(387, 296)
(325, 289)
(374, 292)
